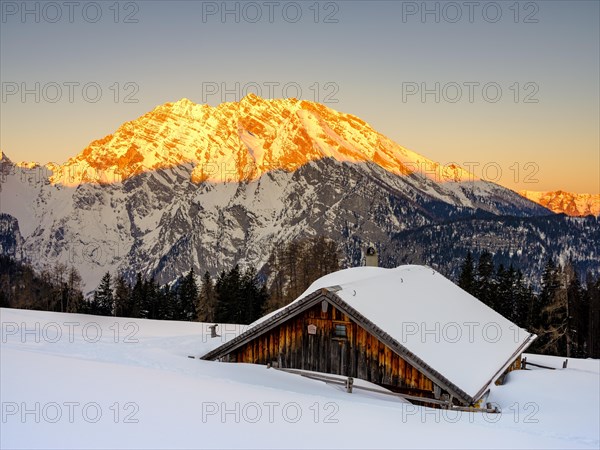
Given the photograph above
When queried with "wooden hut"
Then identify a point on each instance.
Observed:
(408, 329)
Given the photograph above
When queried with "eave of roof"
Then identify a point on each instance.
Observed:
(280, 317)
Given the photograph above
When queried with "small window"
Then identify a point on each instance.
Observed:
(339, 331)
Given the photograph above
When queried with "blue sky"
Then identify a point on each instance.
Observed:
(365, 58)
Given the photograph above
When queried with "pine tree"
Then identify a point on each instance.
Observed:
(230, 305)
(577, 322)
(207, 300)
(550, 285)
(103, 300)
(524, 300)
(167, 300)
(254, 295)
(241, 297)
(466, 279)
(593, 339)
(506, 295)
(136, 299)
(188, 297)
(122, 297)
(485, 285)
(151, 299)
(4, 303)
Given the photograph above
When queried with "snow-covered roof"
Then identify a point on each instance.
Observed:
(446, 328)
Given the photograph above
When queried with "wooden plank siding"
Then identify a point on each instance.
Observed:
(516, 365)
(360, 354)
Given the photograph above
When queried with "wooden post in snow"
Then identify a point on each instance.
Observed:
(349, 384)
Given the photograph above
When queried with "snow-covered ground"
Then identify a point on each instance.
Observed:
(77, 381)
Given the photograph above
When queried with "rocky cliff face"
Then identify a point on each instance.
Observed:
(566, 202)
(189, 185)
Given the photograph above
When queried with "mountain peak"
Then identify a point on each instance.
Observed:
(183, 103)
(4, 157)
(238, 141)
(569, 203)
(251, 97)
(183, 107)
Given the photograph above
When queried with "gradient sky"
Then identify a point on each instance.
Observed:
(370, 55)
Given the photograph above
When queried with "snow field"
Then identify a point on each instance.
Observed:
(77, 381)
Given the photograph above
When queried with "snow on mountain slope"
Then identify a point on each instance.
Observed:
(566, 202)
(239, 141)
(189, 185)
(135, 387)
(161, 223)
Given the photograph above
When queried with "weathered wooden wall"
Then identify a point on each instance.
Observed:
(516, 365)
(359, 355)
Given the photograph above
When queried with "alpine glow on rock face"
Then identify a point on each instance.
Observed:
(240, 141)
(566, 202)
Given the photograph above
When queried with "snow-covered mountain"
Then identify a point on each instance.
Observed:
(189, 185)
(240, 142)
(566, 202)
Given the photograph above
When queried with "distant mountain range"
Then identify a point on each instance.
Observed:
(189, 185)
(566, 202)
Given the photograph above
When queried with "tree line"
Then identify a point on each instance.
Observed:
(236, 295)
(565, 314)
(57, 289)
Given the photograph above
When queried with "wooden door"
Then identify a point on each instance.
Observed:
(329, 346)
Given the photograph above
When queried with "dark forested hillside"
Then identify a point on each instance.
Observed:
(525, 242)
(58, 289)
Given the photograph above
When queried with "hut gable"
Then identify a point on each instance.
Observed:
(407, 328)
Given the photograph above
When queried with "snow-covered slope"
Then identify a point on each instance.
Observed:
(189, 185)
(135, 387)
(566, 202)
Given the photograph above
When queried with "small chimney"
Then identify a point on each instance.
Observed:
(372, 258)
(213, 330)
